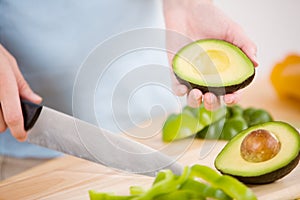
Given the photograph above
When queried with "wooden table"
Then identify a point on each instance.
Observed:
(71, 178)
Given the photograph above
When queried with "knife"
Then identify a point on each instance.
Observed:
(61, 132)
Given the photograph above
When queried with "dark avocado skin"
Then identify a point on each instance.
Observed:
(217, 90)
(269, 177)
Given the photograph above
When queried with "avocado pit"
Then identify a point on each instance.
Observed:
(259, 145)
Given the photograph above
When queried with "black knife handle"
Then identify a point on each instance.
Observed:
(31, 112)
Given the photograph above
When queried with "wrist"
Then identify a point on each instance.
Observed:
(172, 5)
(195, 3)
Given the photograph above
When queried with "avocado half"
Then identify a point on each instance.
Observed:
(212, 65)
(243, 158)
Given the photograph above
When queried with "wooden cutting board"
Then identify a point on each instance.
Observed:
(71, 178)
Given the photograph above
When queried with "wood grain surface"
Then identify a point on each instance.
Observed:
(71, 178)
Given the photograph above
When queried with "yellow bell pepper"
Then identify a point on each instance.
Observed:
(285, 77)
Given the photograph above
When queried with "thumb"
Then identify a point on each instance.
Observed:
(26, 92)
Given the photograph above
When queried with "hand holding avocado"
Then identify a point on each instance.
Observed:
(196, 24)
(213, 66)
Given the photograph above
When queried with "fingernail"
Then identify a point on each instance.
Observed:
(36, 97)
(22, 138)
(182, 90)
(212, 99)
(255, 62)
(228, 99)
(196, 95)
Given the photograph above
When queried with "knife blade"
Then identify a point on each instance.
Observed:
(64, 133)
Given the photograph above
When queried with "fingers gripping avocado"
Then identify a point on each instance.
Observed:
(261, 154)
(213, 66)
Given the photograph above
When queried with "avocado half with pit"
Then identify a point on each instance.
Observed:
(213, 66)
(261, 154)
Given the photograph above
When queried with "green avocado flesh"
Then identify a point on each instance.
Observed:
(283, 137)
(213, 66)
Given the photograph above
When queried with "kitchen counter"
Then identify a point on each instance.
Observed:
(68, 177)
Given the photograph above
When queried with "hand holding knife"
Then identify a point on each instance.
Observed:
(55, 130)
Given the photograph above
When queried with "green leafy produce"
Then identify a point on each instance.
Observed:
(183, 123)
(256, 116)
(224, 129)
(223, 123)
(189, 122)
(196, 182)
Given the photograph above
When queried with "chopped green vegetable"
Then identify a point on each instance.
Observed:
(107, 196)
(196, 182)
(228, 184)
(204, 190)
(136, 190)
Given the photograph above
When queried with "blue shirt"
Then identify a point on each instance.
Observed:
(51, 39)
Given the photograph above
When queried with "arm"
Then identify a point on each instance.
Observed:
(12, 87)
(200, 19)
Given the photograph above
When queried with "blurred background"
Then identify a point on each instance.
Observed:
(272, 24)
